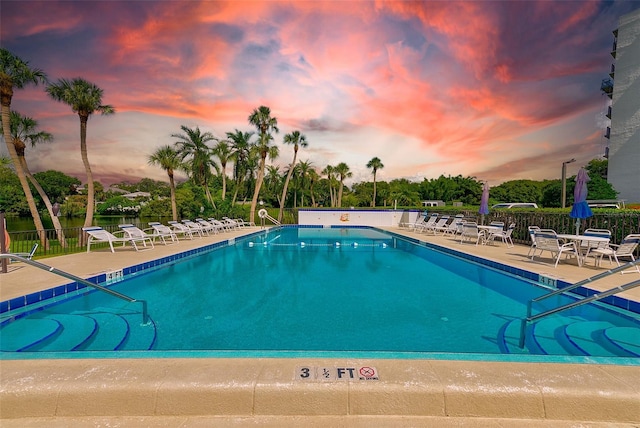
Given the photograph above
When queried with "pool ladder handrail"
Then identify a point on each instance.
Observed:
(145, 315)
(594, 297)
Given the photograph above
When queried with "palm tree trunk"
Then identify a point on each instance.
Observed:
(54, 218)
(286, 186)
(37, 221)
(224, 181)
(174, 206)
(256, 192)
(373, 202)
(339, 205)
(88, 219)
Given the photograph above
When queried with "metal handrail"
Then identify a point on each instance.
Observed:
(592, 298)
(145, 316)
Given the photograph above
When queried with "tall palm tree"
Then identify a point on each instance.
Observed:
(167, 158)
(24, 130)
(330, 172)
(16, 73)
(84, 98)
(304, 169)
(224, 152)
(265, 124)
(342, 169)
(193, 145)
(297, 140)
(313, 179)
(240, 149)
(374, 164)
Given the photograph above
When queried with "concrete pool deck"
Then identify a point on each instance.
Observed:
(268, 391)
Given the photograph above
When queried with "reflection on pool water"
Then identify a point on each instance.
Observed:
(300, 291)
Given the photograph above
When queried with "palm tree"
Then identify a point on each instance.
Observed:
(16, 73)
(265, 124)
(23, 130)
(167, 158)
(240, 145)
(342, 169)
(193, 145)
(313, 179)
(329, 171)
(84, 98)
(298, 140)
(304, 169)
(374, 164)
(224, 152)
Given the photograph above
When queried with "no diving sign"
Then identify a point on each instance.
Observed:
(364, 373)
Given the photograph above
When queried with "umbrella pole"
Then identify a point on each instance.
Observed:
(578, 227)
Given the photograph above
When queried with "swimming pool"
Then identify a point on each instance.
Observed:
(301, 291)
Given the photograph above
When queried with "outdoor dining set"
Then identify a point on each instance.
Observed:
(592, 243)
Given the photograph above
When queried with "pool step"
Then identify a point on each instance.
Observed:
(571, 336)
(101, 329)
(626, 339)
(74, 330)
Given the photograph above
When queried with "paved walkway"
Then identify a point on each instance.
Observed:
(265, 391)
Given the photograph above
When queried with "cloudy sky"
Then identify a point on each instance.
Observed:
(497, 90)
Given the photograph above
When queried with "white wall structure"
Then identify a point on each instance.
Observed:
(624, 146)
(348, 217)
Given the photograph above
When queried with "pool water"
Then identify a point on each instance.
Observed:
(351, 290)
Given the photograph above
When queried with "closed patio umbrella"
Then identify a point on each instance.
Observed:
(580, 208)
(484, 202)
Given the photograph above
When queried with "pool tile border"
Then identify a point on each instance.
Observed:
(44, 295)
(51, 293)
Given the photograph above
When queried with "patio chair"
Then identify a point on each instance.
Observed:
(423, 221)
(163, 232)
(244, 223)
(136, 233)
(98, 235)
(586, 246)
(504, 235)
(547, 240)
(180, 229)
(625, 249)
(532, 235)
(470, 232)
(221, 225)
(230, 223)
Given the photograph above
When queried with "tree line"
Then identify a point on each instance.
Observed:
(204, 158)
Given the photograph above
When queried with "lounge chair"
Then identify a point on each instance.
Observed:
(470, 232)
(163, 232)
(587, 246)
(625, 249)
(221, 225)
(452, 228)
(244, 223)
(230, 223)
(28, 255)
(135, 232)
(547, 240)
(438, 225)
(99, 235)
(181, 229)
(195, 227)
(207, 226)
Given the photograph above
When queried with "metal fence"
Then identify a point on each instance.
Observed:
(620, 225)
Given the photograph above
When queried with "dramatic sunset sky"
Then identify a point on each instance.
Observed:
(497, 90)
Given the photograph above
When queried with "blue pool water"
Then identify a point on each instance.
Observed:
(344, 291)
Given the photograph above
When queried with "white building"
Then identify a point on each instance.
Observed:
(624, 145)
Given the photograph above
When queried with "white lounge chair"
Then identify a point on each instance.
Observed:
(625, 249)
(28, 255)
(99, 235)
(134, 232)
(452, 228)
(435, 226)
(195, 227)
(181, 229)
(207, 226)
(532, 231)
(547, 240)
(163, 232)
(230, 223)
(221, 225)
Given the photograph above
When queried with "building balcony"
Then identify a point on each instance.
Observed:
(607, 134)
(609, 113)
(607, 87)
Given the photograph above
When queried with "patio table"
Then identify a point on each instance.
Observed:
(578, 239)
(488, 231)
